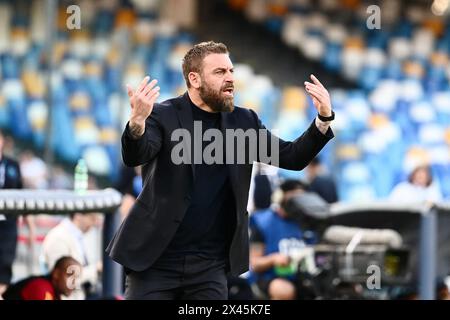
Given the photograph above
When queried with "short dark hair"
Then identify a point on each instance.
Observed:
(62, 262)
(421, 167)
(193, 59)
(292, 184)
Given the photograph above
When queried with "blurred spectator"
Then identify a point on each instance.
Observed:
(9, 149)
(262, 192)
(272, 236)
(60, 179)
(34, 176)
(61, 281)
(442, 291)
(419, 187)
(10, 178)
(264, 179)
(320, 182)
(67, 239)
(408, 292)
(411, 292)
(34, 171)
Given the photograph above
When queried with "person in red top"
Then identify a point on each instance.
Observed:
(62, 280)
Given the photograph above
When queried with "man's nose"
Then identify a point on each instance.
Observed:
(230, 77)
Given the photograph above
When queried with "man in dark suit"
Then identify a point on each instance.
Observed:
(189, 225)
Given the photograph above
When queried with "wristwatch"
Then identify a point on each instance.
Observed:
(330, 118)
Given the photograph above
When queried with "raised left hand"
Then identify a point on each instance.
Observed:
(319, 96)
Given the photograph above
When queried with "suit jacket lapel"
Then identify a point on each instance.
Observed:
(184, 113)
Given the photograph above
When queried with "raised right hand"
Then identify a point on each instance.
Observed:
(141, 102)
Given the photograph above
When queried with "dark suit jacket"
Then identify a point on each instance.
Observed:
(159, 209)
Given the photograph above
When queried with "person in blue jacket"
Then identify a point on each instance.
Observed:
(273, 236)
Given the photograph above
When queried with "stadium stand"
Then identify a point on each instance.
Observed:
(399, 116)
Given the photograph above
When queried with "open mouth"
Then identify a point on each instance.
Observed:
(229, 92)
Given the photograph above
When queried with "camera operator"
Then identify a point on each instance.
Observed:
(273, 235)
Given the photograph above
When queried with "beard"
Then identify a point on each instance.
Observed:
(215, 100)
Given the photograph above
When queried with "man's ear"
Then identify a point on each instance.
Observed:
(55, 274)
(195, 80)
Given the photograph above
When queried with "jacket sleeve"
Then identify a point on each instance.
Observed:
(292, 155)
(136, 152)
